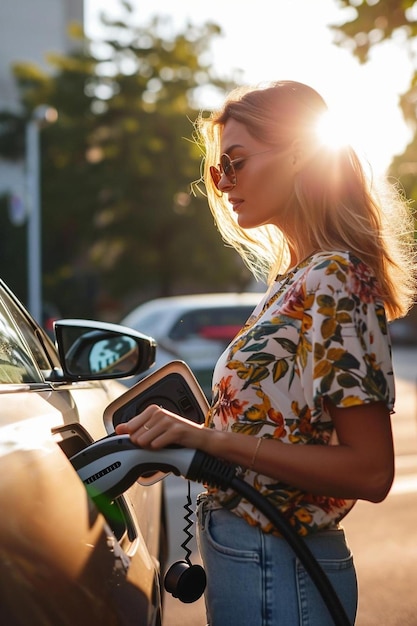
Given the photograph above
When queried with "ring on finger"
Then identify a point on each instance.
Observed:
(146, 427)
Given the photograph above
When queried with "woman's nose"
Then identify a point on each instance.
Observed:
(224, 184)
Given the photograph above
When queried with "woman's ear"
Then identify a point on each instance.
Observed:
(300, 155)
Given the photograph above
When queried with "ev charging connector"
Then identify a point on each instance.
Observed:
(109, 466)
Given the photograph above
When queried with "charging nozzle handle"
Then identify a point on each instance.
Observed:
(208, 469)
(109, 466)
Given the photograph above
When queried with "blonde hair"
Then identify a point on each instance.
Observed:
(337, 205)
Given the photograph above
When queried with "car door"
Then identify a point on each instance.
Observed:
(61, 560)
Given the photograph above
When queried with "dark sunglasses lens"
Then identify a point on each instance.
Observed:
(215, 175)
(226, 165)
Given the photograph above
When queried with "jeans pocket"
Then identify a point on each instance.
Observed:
(225, 533)
(233, 564)
(342, 577)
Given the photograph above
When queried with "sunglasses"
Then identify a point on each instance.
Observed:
(228, 168)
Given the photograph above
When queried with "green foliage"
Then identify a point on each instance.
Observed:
(374, 23)
(120, 223)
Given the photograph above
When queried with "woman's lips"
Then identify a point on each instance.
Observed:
(236, 204)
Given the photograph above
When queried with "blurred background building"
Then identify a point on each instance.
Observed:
(29, 30)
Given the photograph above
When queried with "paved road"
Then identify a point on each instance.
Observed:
(383, 536)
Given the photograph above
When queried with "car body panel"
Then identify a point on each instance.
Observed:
(59, 544)
(62, 560)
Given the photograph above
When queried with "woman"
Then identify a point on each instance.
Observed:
(303, 394)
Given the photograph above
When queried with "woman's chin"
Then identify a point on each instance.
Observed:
(245, 222)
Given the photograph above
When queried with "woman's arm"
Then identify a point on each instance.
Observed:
(360, 466)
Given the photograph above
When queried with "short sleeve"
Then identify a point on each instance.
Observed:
(344, 351)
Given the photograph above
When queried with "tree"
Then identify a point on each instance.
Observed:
(119, 221)
(374, 23)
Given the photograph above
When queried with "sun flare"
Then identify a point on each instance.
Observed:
(332, 132)
(367, 131)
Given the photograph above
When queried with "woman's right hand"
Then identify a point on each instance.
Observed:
(157, 428)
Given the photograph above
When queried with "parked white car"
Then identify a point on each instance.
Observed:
(193, 328)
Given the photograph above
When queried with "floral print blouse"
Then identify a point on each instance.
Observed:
(319, 332)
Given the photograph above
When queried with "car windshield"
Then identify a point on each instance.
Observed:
(149, 324)
(16, 362)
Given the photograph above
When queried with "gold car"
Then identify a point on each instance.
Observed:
(63, 562)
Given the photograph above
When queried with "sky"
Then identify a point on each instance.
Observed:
(294, 42)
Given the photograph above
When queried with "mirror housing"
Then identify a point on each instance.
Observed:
(90, 350)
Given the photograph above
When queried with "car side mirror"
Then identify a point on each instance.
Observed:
(98, 350)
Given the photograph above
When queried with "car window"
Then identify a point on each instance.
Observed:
(16, 361)
(220, 323)
(148, 324)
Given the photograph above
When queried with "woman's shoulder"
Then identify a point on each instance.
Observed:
(343, 257)
(338, 260)
(340, 269)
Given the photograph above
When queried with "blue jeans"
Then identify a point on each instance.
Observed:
(255, 579)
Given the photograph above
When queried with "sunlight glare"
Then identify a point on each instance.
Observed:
(365, 96)
(360, 129)
(331, 132)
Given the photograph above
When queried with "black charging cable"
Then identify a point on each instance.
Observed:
(217, 473)
(111, 465)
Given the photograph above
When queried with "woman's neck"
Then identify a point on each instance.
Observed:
(302, 255)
